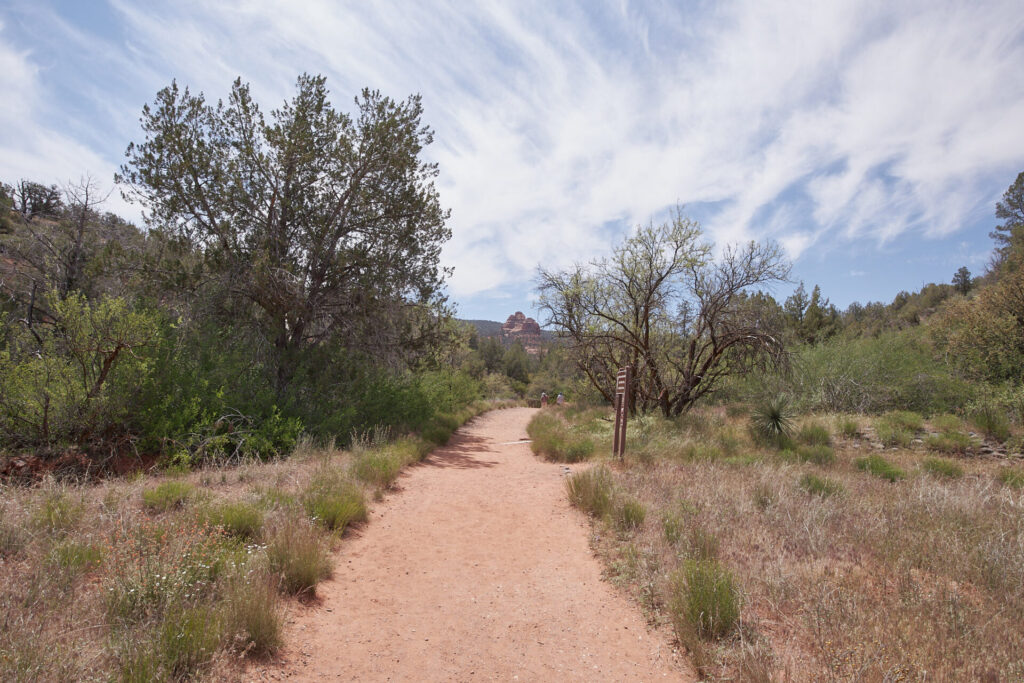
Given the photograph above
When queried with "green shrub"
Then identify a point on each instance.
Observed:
(377, 467)
(948, 442)
(333, 501)
(1012, 477)
(297, 554)
(437, 434)
(992, 422)
(940, 467)
(820, 486)
(240, 519)
(630, 514)
(170, 494)
(188, 640)
(51, 389)
(880, 467)
(703, 599)
(592, 490)
(819, 455)
(771, 421)
(875, 374)
(814, 434)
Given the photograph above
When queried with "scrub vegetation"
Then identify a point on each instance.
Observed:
(178, 576)
(850, 509)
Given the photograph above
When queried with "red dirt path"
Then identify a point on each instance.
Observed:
(477, 569)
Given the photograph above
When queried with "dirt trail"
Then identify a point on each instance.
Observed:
(477, 569)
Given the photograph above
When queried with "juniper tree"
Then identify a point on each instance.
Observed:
(315, 224)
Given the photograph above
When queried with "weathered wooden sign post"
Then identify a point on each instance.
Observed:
(623, 383)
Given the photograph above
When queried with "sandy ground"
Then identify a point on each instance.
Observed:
(475, 569)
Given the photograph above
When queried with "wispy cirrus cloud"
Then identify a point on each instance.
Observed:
(559, 125)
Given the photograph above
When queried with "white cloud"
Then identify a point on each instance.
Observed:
(814, 124)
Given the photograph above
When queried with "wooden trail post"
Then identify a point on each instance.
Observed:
(623, 385)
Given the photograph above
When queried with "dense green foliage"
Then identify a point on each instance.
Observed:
(288, 282)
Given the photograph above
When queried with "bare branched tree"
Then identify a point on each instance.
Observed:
(663, 305)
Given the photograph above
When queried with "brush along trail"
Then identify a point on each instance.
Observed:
(475, 568)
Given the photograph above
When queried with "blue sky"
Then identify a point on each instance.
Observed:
(871, 139)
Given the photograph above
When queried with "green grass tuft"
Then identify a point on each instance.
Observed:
(188, 640)
(252, 615)
(166, 496)
(880, 467)
(630, 515)
(905, 419)
(820, 486)
(814, 434)
(819, 455)
(76, 556)
(992, 422)
(849, 428)
(704, 600)
(379, 467)
(242, 520)
(58, 512)
(946, 423)
(891, 434)
(333, 501)
(553, 438)
(948, 442)
(1012, 477)
(940, 467)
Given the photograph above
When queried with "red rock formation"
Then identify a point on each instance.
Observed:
(525, 330)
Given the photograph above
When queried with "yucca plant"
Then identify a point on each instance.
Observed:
(771, 421)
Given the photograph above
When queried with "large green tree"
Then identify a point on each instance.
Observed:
(313, 223)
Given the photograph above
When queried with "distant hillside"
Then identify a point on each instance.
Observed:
(485, 328)
(491, 328)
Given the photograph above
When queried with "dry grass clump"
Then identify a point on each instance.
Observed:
(592, 490)
(298, 555)
(842, 577)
